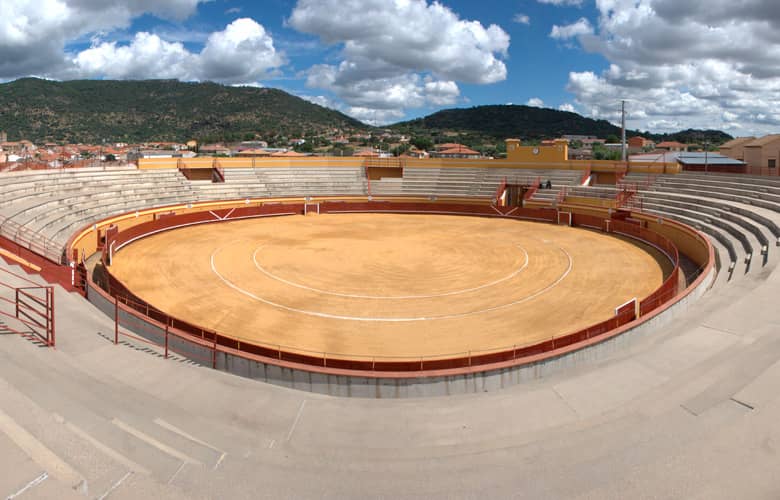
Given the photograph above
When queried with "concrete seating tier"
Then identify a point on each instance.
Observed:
(738, 214)
(763, 181)
(762, 235)
(60, 229)
(48, 205)
(51, 205)
(735, 187)
(270, 182)
(602, 192)
(29, 204)
(744, 238)
(725, 246)
(694, 190)
(724, 208)
(467, 182)
(15, 193)
(714, 187)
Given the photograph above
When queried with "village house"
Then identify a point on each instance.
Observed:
(214, 149)
(735, 148)
(764, 153)
(671, 146)
(459, 151)
(637, 144)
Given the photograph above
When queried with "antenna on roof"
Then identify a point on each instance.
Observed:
(623, 130)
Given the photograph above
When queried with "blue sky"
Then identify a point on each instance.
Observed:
(681, 64)
(538, 65)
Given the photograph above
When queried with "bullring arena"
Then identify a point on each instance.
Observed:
(389, 286)
(361, 328)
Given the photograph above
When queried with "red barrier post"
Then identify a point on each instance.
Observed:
(214, 352)
(50, 292)
(116, 320)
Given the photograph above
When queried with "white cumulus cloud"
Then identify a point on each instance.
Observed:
(535, 102)
(33, 35)
(581, 27)
(404, 54)
(242, 53)
(374, 116)
(710, 64)
(521, 19)
(147, 56)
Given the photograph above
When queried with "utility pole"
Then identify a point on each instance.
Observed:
(623, 151)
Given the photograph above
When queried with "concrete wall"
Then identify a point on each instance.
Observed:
(544, 160)
(492, 380)
(424, 386)
(557, 152)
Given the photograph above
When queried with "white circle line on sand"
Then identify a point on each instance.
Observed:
(390, 320)
(398, 297)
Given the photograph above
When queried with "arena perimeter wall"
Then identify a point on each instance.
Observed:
(602, 166)
(394, 384)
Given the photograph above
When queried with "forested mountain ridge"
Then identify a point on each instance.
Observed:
(92, 111)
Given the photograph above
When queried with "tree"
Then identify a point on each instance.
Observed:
(306, 147)
(602, 153)
(612, 139)
(400, 149)
(342, 151)
(423, 143)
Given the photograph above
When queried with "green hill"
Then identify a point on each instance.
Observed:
(91, 111)
(692, 136)
(498, 122)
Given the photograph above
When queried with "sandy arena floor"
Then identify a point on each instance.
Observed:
(383, 285)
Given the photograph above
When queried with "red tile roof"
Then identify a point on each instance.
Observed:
(459, 151)
(450, 145)
(288, 154)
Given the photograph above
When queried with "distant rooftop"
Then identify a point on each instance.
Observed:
(763, 141)
(737, 142)
(707, 159)
(687, 158)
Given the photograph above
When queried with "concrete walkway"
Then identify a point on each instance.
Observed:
(689, 412)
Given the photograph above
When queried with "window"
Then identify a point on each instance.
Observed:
(772, 163)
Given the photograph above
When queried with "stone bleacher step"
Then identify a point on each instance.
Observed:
(715, 235)
(762, 233)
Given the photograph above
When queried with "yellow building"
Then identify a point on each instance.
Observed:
(558, 151)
